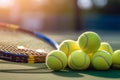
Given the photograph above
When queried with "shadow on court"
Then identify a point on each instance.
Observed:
(106, 74)
(67, 73)
(10, 67)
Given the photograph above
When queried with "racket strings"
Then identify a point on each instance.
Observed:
(18, 42)
(22, 39)
(13, 48)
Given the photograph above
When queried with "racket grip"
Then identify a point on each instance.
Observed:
(45, 38)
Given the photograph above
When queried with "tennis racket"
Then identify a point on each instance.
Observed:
(23, 46)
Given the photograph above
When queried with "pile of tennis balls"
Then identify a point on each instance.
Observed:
(87, 52)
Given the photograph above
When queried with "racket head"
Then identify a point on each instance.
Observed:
(19, 45)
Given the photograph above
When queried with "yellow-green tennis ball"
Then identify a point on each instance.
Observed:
(89, 42)
(56, 60)
(68, 46)
(116, 59)
(101, 60)
(107, 47)
(78, 60)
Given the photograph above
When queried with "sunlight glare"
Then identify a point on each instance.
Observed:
(85, 4)
(6, 3)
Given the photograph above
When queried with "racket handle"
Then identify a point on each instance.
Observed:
(45, 38)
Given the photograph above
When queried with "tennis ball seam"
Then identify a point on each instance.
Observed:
(68, 48)
(70, 64)
(81, 66)
(86, 44)
(59, 60)
(103, 58)
(108, 48)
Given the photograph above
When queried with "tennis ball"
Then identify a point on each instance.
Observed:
(116, 59)
(78, 60)
(89, 42)
(107, 47)
(56, 60)
(101, 60)
(68, 46)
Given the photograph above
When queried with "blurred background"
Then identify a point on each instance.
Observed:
(62, 15)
